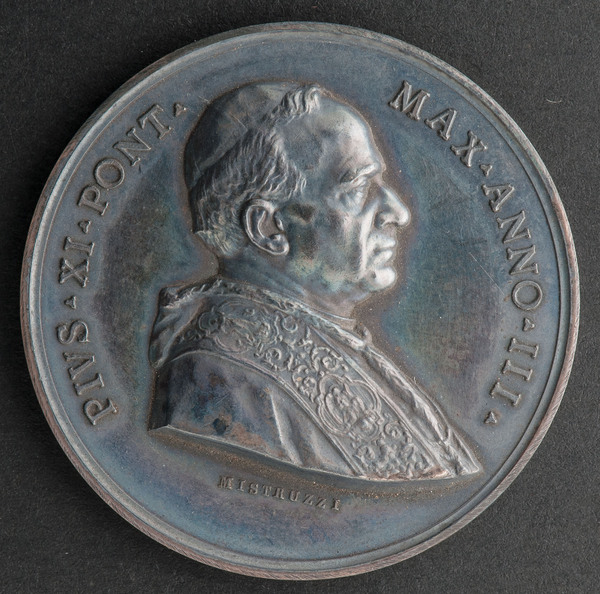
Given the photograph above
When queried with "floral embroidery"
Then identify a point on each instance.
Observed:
(367, 430)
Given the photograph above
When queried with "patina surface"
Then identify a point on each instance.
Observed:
(367, 338)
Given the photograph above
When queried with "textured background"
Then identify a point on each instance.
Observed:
(60, 60)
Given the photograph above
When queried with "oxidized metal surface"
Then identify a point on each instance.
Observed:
(300, 301)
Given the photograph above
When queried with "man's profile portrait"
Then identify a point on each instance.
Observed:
(286, 187)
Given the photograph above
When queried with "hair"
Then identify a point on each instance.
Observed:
(255, 167)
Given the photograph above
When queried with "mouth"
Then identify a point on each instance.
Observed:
(384, 251)
(383, 257)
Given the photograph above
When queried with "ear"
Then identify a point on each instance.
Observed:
(264, 228)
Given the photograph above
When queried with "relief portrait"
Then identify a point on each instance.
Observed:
(287, 187)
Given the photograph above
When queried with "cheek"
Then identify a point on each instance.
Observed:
(327, 232)
(341, 242)
(334, 226)
(305, 241)
(330, 242)
(342, 228)
(303, 212)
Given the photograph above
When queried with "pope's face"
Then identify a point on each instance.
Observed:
(342, 228)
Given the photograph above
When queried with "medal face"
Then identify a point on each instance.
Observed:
(300, 301)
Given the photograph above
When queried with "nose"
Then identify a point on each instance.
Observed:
(392, 210)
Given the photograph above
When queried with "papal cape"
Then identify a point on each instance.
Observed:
(264, 373)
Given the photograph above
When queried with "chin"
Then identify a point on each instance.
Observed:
(380, 279)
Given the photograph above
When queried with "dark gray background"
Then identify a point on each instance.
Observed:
(60, 60)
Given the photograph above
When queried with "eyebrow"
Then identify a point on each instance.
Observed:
(354, 174)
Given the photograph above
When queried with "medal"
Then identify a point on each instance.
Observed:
(300, 301)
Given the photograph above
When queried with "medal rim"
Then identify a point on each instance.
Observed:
(83, 460)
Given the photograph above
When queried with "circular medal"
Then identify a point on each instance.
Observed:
(299, 301)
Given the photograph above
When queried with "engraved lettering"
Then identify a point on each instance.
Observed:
(76, 330)
(132, 146)
(151, 117)
(521, 265)
(501, 391)
(321, 501)
(309, 499)
(466, 151)
(225, 482)
(527, 295)
(528, 325)
(84, 361)
(491, 418)
(510, 367)
(96, 382)
(486, 168)
(90, 197)
(514, 231)
(79, 363)
(76, 272)
(237, 484)
(86, 248)
(71, 302)
(84, 226)
(178, 109)
(109, 174)
(443, 122)
(94, 410)
(408, 103)
(501, 194)
(527, 348)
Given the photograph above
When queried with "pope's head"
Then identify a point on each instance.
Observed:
(289, 179)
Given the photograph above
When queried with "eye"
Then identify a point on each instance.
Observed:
(362, 189)
(355, 195)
